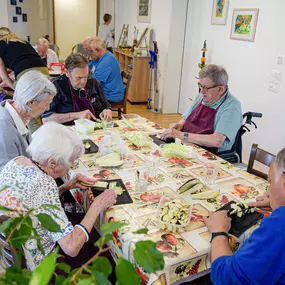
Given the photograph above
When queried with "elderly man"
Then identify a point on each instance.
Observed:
(46, 54)
(78, 96)
(260, 259)
(215, 116)
(33, 95)
(106, 69)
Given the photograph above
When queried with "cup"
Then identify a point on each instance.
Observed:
(152, 162)
(129, 160)
(107, 127)
(141, 179)
(210, 173)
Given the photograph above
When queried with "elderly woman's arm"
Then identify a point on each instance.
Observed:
(73, 242)
(4, 75)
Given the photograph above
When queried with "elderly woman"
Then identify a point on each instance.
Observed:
(53, 151)
(17, 55)
(33, 95)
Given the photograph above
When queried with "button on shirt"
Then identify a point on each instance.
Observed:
(228, 119)
(107, 71)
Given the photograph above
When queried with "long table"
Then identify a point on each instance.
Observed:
(187, 253)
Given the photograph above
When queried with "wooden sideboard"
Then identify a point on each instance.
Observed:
(138, 90)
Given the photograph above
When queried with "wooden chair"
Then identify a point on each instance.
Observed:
(121, 107)
(8, 257)
(262, 156)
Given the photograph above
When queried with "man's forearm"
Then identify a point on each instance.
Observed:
(220, 247)
(60, 117)
(213, 140)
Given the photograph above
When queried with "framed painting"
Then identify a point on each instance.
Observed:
(25, 17)
(220, 12)
(244, 23)
(18, 11)
(144, 11)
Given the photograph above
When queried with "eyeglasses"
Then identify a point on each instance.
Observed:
(205, 88)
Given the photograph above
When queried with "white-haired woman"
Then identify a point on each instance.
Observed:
(33, 95)
(53, 150)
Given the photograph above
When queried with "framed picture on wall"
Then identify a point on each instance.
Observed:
(220, 12)
(144, 11)
(25, 17)
(18, 11)
(244, 23)
(15, 19)
(13, 2)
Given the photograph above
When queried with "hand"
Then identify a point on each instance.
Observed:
(175, 126)
(105, 200)
(171, 133)
(75, 182)
(218, 222)
(106, 115)
(262, 201)
(86, 114)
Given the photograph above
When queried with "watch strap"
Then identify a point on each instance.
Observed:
(219, 234)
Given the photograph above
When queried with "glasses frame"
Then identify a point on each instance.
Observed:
(207, 88)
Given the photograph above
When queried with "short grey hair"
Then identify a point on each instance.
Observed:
(33, 85)
(43, 42)
(280, 159)
(96, 43)
(53, 140)
(217, 74)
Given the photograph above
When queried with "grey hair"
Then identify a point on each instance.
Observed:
(217, 74)
(53, 140)
(43, 41)
(33, 85)
(96, 43)
(280, 159)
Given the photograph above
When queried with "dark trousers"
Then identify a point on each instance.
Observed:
(110, 49)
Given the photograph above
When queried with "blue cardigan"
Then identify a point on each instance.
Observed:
(260, 260)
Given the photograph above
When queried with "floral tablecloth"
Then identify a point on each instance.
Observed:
(187, 254)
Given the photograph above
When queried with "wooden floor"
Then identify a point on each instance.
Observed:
(161, 119)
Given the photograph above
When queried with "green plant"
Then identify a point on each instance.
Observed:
(19, 229)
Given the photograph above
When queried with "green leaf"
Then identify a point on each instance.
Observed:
(126, 273)
(108, 228)
(6, 225)
(19, 237)
(38, 238)
(59, 280)
(103, 265)
(48, 223)
(64, 267)
(88, 281)
(45, 270)
(100, 278)
(148, 257)
(141, 231)
(14, 276)
(5, 209)
(50, 206)
(4, 188)
(103, 240)
(28, 221)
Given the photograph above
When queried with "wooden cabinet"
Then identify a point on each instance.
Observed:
(138, 66)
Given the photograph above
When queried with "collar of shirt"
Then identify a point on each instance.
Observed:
(17, 119)
(216, 104)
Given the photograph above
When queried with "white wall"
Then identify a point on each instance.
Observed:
(249, 65)
(3, 13)
(107, 6)
(35, 27)
(74, 21)
(126, 13)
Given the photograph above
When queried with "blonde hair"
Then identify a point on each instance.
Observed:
(7, 36)
(96, 43)
(43, 42)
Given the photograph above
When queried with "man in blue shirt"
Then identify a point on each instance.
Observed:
(106, 69)
(215, 116)
(260, 260)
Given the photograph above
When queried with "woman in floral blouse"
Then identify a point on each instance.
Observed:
(31, 182)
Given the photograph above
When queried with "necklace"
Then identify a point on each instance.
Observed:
(38, 165)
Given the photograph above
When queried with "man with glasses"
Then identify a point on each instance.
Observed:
(215, 116)
(78, 96)
(106, 69)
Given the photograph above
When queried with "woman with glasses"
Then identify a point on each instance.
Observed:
(78, 95)
(215, 116)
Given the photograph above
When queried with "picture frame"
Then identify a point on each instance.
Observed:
(15, 19)
(21, 1)
(18, 11)
(25, 17)
(144, 11)
(244, 22)
(220, 12)
(13, 2)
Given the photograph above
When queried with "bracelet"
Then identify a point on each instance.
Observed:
(80, 226)
(218, 234)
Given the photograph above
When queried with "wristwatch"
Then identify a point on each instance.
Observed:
(219, 234)
(185, 136)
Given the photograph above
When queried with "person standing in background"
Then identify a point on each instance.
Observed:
(106, 32)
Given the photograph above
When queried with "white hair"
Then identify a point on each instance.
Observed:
(96, 42)
(53, 140)
(33, 85)
(43, 42)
